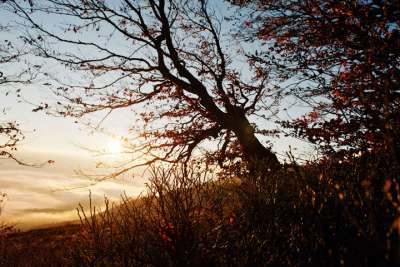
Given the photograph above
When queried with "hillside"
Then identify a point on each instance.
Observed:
(328, 214)
(48, 246)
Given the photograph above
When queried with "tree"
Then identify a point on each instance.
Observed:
(340, 57)
(14, 70)
(169, 60)
(10, 133)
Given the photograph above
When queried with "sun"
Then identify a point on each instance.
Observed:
(115, 147)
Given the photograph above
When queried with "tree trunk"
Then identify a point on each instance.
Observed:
(253, 150)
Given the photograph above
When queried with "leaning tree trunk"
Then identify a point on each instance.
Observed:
(254, 152)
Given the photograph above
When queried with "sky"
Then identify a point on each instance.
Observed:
(50, 194)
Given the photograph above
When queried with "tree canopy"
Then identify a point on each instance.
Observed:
(342, 58)
(10, 134)
(183, 67)
(173, 62)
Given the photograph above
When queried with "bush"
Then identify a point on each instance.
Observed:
(173, 224)
(341, 211)
(5, 231)
(331, 213)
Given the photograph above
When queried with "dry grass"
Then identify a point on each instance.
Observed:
(40, 247)
(328, 214)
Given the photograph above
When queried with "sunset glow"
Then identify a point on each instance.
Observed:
(115, 146)
(199, 133)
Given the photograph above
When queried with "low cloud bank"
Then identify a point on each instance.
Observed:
(38, 196)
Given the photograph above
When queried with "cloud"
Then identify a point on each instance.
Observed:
(47, 210)
(37, 196)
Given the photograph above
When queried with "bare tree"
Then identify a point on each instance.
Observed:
(9, 131)
(173, 62)
(15, 72)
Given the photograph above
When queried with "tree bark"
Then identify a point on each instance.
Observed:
(253, 151)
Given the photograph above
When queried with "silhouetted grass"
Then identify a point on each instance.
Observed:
(337, 212)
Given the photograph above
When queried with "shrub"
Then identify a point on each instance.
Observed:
(331, 213)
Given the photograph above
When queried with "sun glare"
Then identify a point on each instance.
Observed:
(115, 146)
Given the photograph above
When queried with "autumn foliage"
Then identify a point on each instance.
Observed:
(177, 74)
(236, 204)
(342, 58)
